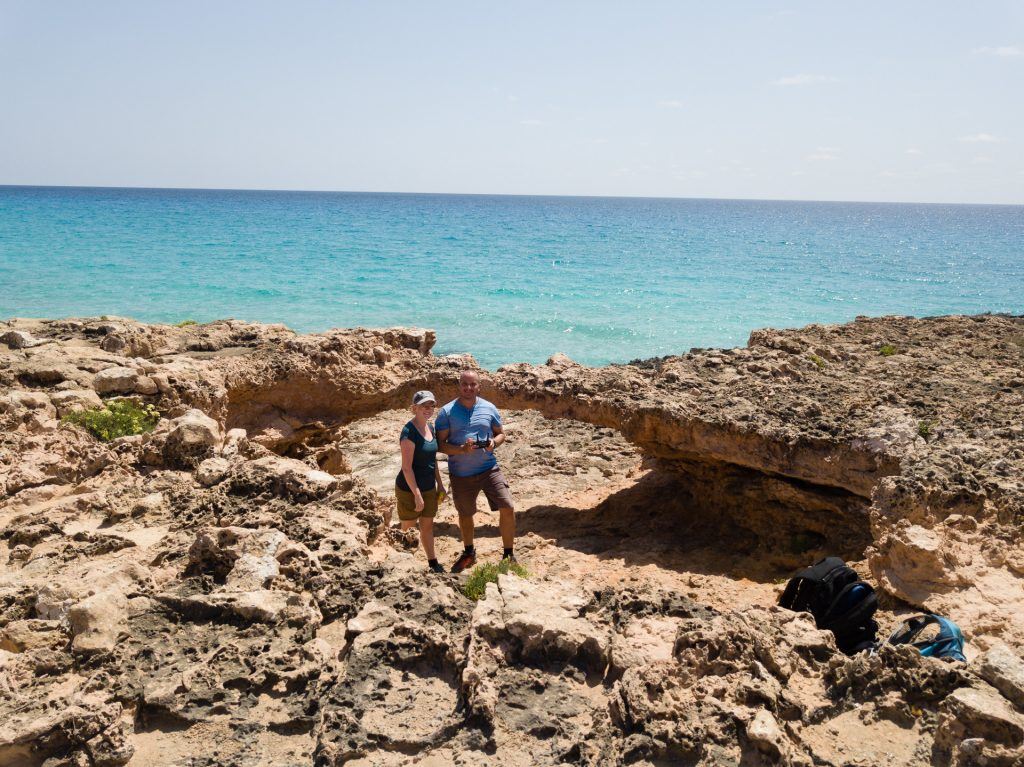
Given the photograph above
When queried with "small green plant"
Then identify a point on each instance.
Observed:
(924, 428)
(818, 361)
(481, 575)
(887, 350)
(118, 418)
(185, 323)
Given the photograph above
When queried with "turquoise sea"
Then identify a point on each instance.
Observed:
(505, 278)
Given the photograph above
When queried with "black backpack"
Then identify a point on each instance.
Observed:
(839, 601)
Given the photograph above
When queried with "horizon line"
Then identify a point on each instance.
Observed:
(495, 194)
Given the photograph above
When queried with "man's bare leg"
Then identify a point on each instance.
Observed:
(507, 526)
(466, 526)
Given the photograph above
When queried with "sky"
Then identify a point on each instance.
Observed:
(907, 101)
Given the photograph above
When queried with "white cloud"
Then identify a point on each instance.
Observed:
(913, 150)
(531, 122)
(1002, 51)
(670, 104)
(823, 154)
(982, 160)
(804, 79)
(979, 138)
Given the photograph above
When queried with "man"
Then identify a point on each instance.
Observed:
(468, 430)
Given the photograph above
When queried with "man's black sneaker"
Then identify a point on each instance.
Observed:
(466, 560)
(510, 558)
(435, 566)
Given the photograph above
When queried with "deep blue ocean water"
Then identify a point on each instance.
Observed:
(505, 278)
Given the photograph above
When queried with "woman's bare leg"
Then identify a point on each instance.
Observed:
(427, 536)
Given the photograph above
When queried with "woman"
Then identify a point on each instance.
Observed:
(419, 483)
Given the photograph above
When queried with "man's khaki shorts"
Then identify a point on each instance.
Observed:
(407, 504)
(466, 489)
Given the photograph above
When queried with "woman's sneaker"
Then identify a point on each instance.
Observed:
(435, 566)
(468, 559)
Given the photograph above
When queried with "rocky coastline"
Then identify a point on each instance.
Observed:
(219, 590)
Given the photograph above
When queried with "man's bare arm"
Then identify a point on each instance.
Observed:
(499, 436)
(447, 447)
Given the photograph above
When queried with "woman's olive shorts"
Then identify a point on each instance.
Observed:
(407, 504)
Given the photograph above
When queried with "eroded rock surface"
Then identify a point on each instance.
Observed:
(218, 591)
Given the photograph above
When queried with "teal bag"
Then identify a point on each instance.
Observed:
(948, 643)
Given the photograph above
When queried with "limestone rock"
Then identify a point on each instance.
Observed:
(27, 635)
(97, 621)
(53, 602)
(116, 380)
(644, 640)
(148, 506)
(190, 439)
(73, 400)
(765, 733)
(241, 557)
(1004, 670)
(980, 713)
(212, 470)
(546, 619)
(84, 724)
(146, 386)
(18, 339)
(296, 626)
(247, 562)
(285, 477)
(21, 401)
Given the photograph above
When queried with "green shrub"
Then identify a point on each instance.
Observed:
(818, 361)
(924, 428)
(481, 575)
(887, 350)
(185, 323)
(117, 418)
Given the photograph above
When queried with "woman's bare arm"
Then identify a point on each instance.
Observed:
(408, 450)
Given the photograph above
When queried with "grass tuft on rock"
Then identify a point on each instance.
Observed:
(476, 585)
(887, 350)
(118, 418)
(185, 323)
(818, 361)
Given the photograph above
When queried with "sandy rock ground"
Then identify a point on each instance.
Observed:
(221, 590)
(588, 511)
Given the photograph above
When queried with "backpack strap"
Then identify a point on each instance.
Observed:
(908, 630)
